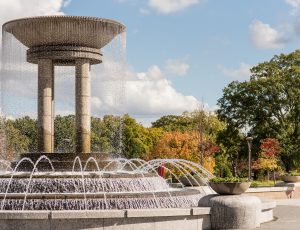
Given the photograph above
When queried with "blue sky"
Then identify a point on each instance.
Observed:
(210, 36)
(194, 47)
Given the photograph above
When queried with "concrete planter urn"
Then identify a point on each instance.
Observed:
(229, 188)
(290, 179)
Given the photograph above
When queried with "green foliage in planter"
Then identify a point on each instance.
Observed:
(292, 174)
(228, 180)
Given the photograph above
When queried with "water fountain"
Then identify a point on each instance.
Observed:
(83, 185)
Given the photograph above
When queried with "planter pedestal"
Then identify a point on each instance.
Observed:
(233, 211)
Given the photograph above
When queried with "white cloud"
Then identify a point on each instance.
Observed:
(263, 36)
(153, 73)
(144, 11)
(13, 9)
(146, 93)
(293, 3)
(171, 6)
(157, 98)
(243, 72)
(116, 89)
(176, 67)
(295, 12)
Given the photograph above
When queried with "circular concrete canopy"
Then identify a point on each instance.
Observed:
(64, 30)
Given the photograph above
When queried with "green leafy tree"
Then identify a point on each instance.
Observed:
(16, 143)
(64, 137)
(169, 123)
(230, 141)
(206, 122)
(138, 140)
(107, 134)
(28, 127)
(268, 105)
(222, 168)
(191, 121)
(100, 135)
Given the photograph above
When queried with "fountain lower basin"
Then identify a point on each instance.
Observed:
(91, 190)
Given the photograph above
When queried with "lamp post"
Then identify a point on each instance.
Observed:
(249, 141)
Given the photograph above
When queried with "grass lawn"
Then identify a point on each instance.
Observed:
(266, 183)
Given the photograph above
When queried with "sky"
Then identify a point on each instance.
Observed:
(179, 53)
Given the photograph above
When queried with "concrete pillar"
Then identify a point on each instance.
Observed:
(45, 105)
(83, 117)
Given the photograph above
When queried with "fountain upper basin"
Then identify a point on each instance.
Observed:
(64, 30)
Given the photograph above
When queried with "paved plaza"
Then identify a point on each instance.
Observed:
(288, 214)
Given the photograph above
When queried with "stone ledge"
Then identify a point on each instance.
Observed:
(103, 214)
(284, 184)
(24, 215)
(270, 189)
(87, 214)
(64, 57)
(158, 212)
(137, 223)
(200, 211)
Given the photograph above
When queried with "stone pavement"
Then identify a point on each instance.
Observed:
(288, 214)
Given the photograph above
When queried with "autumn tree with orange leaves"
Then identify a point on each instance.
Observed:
(183, 145)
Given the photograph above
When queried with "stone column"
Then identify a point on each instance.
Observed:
(45, 106)
(82, 94)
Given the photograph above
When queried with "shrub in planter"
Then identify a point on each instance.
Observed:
(229, 185)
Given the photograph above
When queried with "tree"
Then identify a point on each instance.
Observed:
(204, 126)
(230, 141)
(169, 123)
(16, 143)
(28, 127)
(183, 146)
(208, 122)
(64, 137)
(108, 134)
(111, 134)
(191, 121)
(268, 156)
(138, 140)
(270, 147)
(100, 134)
(268, 105)
(208, 125)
